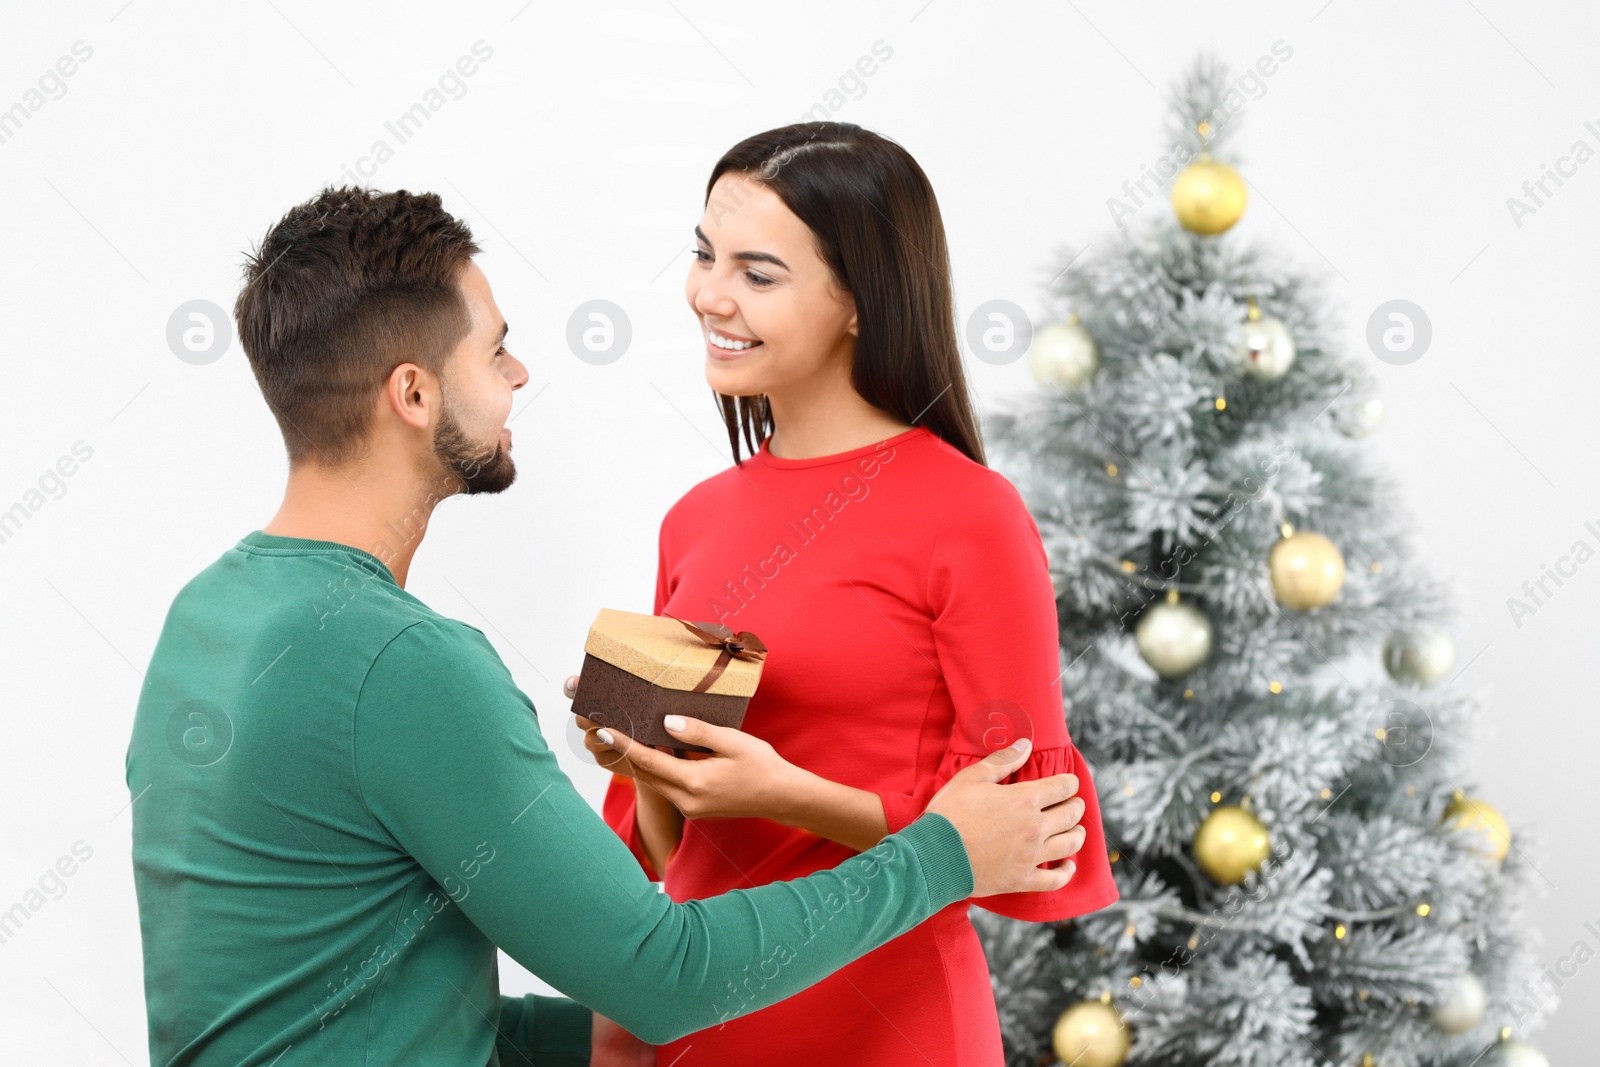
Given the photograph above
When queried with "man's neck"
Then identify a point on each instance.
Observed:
(349, 507)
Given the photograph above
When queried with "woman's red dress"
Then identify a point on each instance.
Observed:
(903, 594)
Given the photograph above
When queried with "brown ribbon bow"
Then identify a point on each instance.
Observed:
(742, 645)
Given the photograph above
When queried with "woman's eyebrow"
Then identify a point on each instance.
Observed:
(753, 257)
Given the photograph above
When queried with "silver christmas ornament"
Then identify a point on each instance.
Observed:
(1064, 354)
(1174, 637)
(1462, 1008)
(1359, 420)
(1419, 658)
(1266, 347)
(1514, 1053)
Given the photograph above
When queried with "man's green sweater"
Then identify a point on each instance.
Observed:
(342, 804)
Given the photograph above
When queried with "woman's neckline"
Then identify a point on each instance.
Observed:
(765, 456)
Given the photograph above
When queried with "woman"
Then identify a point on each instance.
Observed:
(900, 585)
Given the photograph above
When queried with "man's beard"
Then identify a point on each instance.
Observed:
(480, 470)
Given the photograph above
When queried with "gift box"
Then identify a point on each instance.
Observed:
(638, 669)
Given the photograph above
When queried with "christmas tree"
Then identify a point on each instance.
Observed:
(1258, 672)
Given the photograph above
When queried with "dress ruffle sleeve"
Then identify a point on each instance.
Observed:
(1092, 886)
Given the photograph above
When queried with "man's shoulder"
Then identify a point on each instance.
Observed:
(451, 640)
(433, 677)
(442, 656)
(341, 611)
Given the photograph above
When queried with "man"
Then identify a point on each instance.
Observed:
(343, 803)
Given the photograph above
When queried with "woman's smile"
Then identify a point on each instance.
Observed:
(727, 346)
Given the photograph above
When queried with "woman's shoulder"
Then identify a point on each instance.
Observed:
(981, 514)
(969, 488)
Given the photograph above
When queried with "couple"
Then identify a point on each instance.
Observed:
(343, 803)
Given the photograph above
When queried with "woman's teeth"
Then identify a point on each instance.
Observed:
(728, 343)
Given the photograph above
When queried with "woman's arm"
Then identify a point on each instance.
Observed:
(737, 782)
(746, 778)
(997, 639)
(842, 813)
(657, 819)
(660, 824)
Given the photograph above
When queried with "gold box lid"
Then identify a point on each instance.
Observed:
(665, 652)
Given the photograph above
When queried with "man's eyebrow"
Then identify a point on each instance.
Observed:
(750, 257)
(505, 328)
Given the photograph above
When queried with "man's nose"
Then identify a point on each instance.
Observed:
(517, 374)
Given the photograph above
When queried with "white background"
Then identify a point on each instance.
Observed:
(1381, 156)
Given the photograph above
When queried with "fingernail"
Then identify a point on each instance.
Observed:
(604, 736)
(674, 723)
(1022, 745)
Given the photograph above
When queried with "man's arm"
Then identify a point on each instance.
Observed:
(451, 761)
(546, 1031)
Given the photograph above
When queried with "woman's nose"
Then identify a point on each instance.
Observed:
(712, 297)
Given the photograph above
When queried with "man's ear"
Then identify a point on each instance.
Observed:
(407, 392)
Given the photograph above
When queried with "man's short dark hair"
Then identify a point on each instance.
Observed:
(341, 290)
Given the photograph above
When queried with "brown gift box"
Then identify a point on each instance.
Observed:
(638, 669)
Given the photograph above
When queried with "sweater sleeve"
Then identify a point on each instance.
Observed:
(452, 765)
(995, 631)
(546, 1031)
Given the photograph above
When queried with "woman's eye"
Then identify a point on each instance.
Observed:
(757, 280)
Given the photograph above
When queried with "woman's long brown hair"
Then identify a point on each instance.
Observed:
(878, 228)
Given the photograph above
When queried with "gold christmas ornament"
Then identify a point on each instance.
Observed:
(1479, 818)
(1419, 658)
(1064, 354)
(1208, 197)
(1091, 1034)
(1230, 844)
(1174, 637)
(1307, 569)
(1462, 1008)
(1266, 347)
